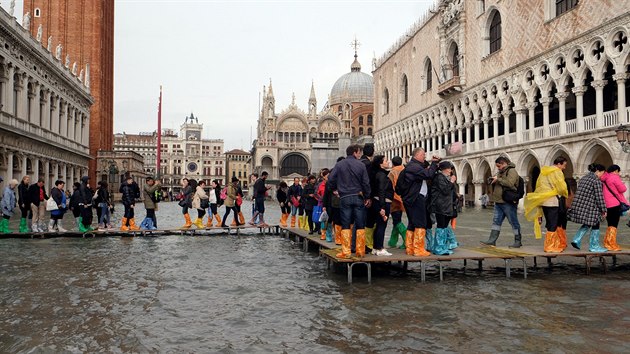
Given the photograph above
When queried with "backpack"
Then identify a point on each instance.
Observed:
(157, 196)
(511, 196)
(223, 195)
(402, 185)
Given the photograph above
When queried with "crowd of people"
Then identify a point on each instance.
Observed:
(352, 203)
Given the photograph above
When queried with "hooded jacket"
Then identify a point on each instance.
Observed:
(506, 179)
(613, 189)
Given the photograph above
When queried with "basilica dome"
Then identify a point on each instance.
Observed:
(354, 86)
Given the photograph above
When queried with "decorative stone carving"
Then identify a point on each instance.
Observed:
(26, 21)
(58, 51)
(40, 31)
(49, 46)
(67, 64)
(450, 10)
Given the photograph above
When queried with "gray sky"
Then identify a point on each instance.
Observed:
(213, 57)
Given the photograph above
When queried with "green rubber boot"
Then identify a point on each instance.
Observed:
(23, 225)
(402, 230)
(393, 238)
(4, 226)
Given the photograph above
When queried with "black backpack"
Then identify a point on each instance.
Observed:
(511, 196)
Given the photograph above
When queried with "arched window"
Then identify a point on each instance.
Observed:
(455, 61)
(360, 120)
(370, 121)
(386, 101)
(404, 90)
(428, 75)
(563, 6)
(37, 12)
(495, 32)
(360, 131)
(369, 131)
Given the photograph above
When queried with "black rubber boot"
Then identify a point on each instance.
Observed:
(517, 241)
(492, 240)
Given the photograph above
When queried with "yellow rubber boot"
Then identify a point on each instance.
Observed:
(199, 223)
(409, 242)
(124, 226)
(419, 249)
(360, 244)
(369, 237)
(346, 240)
(188, 223)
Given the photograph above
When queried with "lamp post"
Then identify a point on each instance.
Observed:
(623, 137)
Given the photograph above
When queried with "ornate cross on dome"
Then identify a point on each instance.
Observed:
(355, 44)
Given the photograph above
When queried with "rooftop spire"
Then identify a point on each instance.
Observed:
(312, 98)
(270, 91)
(355, 65)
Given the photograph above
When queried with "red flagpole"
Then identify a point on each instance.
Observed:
(159, 136)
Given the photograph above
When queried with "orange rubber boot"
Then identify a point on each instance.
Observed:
(124, 226)
(610, 240)
(419, 249)
(360, 244)
(293, 219)
(132, 225)
(552, 242)
(337, 234)
(346, 240)
(217, 217)
(188, 223)
(209, 223)
(562, 237)
(409, 242)
(241, 218)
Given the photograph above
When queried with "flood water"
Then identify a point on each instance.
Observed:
(263, 294)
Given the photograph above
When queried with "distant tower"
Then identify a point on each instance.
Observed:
(312, 104)
(85, 29)
(270, 103)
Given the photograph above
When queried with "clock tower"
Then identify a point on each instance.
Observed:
(190, 131)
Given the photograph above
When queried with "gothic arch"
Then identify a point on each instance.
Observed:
(559, 150)
(300, 117)
(427, 75)
(491, 12)
(595, 150)
(294, 162)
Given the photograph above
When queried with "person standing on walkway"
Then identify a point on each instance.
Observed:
(308, 198)
(129, 193)
(350, 180)
(397, 208)
(370, 213)
(59, 196)
(415, 190)
(85, 205)
(506, 179)
(104, 203)
(151, 198)
(295, 195)
(37, 197)
(588, 207)
(7, 205)
(252, 181)
(24, 204)
(186, 202)
(484, 199)
(442, 204)
(332, 204)
(213, 198)
(75, 200)
(281, 196)
(260, 193)
(325, 227)
(383, 195)
(200, 202)
(551, 191)
(230, 202)
(613, 191)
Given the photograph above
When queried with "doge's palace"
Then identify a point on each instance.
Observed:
(44, 108)
(530, 80)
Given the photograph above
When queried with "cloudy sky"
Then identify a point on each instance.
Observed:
(213, 57)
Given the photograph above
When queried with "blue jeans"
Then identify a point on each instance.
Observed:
(503, 210)
(352, 212)
(104, 213)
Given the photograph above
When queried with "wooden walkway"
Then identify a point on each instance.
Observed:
(193, 231)
(521, 255)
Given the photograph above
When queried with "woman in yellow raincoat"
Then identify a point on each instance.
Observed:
(546, 201)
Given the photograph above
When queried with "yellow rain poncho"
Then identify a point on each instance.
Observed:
(549, 185)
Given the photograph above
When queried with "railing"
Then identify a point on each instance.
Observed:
(554, 129)
(571, 126)
(590, 122)
(610, 119)
(539, 133)
(525, 135)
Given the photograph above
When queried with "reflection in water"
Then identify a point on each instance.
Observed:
(237, 294)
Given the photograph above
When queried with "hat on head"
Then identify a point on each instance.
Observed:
(84, 179)
(444, 165)
(234, 179)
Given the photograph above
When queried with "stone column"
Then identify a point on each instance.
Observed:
(64, 175)
(579, 106)
(85, 130)
(7, 101)
(72, 177)
(459, 134)
(23, 95)
(545, 101)
(35, 101)
(621, 97)
(35, 175)
(63, 118)
(599, 100)
(70, 120)
(24, 163)
(562, 100)
(478, 192)
(477, 124)
(495, 129)
(520, 123)
(55, 121)
(9, 167)
(45, 115)
(453, 135)
(47, 174)
(462, 191)
(467, 126)
(506, 126)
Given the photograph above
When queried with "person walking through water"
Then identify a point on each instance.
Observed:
(588, 208)
(151, 200)
(230, 202)
(7, 205)
(550, 194)
(59, 196)
(129, 193)
(506, 179)
(37, 198)
(398, 227)
(200, 202)
(260, 192)
(213, 198)
(186, 202)
(349, 178)
(282, 198)
(104, 203)
(442, 204)
(613, 190)
(308, 198)
(85, 205)
(295, 194)
(24, 204)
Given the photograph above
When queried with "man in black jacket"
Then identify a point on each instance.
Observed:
(85, 203)
(37, 197)
(415, 200)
